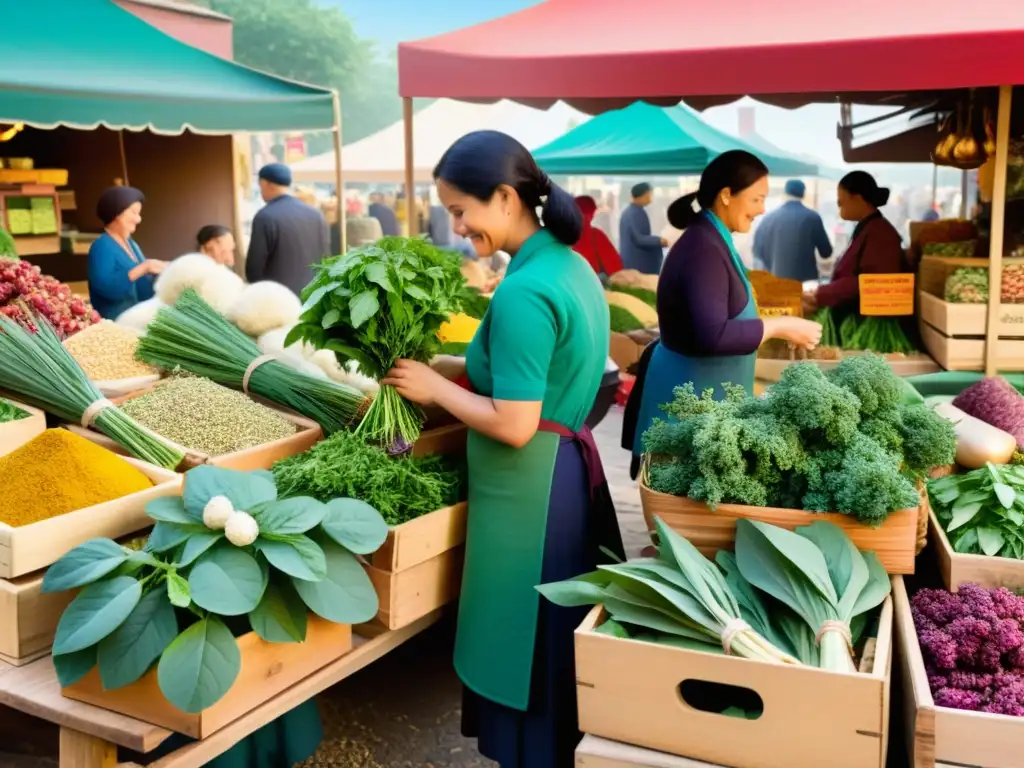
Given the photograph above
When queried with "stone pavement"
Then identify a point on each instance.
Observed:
(403, 711)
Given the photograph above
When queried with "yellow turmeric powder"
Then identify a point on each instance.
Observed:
(59, 472)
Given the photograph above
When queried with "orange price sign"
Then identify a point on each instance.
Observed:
(887, 295)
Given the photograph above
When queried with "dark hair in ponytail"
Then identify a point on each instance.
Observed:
(863, 184)
(734, 170)
(482, 161)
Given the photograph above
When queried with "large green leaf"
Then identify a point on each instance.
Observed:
(355, 525)
(752, 607)
(846, 567)
(362, 307)
(281, 615)
(572, 594)
(318, 293)
(166, 536)
(72, 667)
(699, 573)
(126, 654)
(990, 540)
(294, 554)
(297, 515)
(245, 490)
(876, 589)
(171, 509)
(84, 564)
(377, 272)
(227, 581)
(97, 611)
(178, 591)
(346, 595)
(200, 666)
(196, 544)
(963, 514)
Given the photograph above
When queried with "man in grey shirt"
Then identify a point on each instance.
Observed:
(640, 249)
(288, 236)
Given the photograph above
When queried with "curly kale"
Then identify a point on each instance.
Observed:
(850, 441)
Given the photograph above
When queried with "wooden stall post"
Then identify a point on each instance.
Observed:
(410, 173)
(998, 219)
(339, 180)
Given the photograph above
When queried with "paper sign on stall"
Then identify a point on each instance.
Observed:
(887, 295)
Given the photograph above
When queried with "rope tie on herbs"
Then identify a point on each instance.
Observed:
(835, 626)
(91, 413)
(732, 628)
(252, 368)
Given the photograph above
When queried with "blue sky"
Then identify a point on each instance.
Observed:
(391, 21)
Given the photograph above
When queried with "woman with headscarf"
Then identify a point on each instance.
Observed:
(217, 242)
(594, 245)
(119, 275)
(707, 313)
(875, 246)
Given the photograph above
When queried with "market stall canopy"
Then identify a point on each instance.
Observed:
(644, 140)
(86, 63)
(604, 54)
(380, 158)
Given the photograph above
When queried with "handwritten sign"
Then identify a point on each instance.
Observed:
(887, 295)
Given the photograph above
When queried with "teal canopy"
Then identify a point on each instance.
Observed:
(86, 63)
(643, 140)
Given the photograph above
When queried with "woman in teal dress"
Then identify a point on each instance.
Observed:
(707, 315)
(539, 508)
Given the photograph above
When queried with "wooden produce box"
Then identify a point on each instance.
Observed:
(934, 270)
(955, 333)
(915, 364)
(940, 736)
(307, 434)
(968, 354)
(894, 542)
(810, 719)
(31, 547)
(267, 670)
(28, 618)
(957, 568)
(447, 440)
(14, 434)
(602, 753)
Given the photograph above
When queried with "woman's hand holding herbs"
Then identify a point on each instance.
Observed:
(416, 382)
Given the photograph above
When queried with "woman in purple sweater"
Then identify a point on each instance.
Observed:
(710, 329)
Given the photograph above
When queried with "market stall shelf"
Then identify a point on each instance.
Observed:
(28, 618)
(957, 568)
(936, 736)
(602, 753)
(894, 542)
(848, 714)
(267, 670)
(31, 547)
(14, 434)
(770, 370)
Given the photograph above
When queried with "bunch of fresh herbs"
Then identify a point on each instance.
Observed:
(225, 557)
(400, 488)
(982, 512)
(377, 304)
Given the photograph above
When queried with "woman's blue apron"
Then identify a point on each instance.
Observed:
(668, 369)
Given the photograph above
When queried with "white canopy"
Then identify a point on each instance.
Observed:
(380, 158)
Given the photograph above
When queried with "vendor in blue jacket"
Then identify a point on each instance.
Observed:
(640, 249)
(119, 275)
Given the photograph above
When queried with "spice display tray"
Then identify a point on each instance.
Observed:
(418, 569)
(894, 542)
(938, 735)
(915, 364)
(968, 354)
(602, 753)
(28, 618)
(957, 568)
(847, 714)
(29, 548)
(14, 434)
(307, 434)
(267, 670)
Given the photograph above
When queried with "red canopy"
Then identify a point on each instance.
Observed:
(604, 54)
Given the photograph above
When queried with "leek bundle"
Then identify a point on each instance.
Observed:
(192, 336)
(40, 371)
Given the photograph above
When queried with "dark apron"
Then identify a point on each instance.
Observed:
(509, 496)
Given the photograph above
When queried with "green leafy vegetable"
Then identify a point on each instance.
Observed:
(650, 298)
(377, 304)
(10, 412)
(200, 666)
(982, 512)
(622, 320)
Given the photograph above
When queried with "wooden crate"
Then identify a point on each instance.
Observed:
(419, 567)
(916, 364)
(810, 719)
(957, 568)
(307, 434)
(267, 670)
(28, 618)
(937, 735)
(952, 319)
(894, 542)
(444, 441)
(602, 753)
(968, 354)
(31, 547)
(933, 271)
(14, 434)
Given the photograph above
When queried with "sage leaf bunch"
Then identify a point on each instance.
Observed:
(982, 511)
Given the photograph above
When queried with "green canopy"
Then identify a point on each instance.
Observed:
(86, 63)
(644, 140)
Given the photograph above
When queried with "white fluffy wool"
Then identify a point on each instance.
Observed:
(139, 317)
(264, 306)
(272, 343)
(328, 362)
(216, 284)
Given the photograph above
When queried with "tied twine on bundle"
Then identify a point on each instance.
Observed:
(93, 411)
(832, 625)
(732, 628)
(256, 363)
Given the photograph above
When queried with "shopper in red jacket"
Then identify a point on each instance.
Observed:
(594, 244)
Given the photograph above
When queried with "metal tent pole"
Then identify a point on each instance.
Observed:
(339, 179)
(410, 175)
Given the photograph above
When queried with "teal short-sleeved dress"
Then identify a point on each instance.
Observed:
(532, 514)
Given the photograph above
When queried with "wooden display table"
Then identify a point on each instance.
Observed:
(90, 736)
